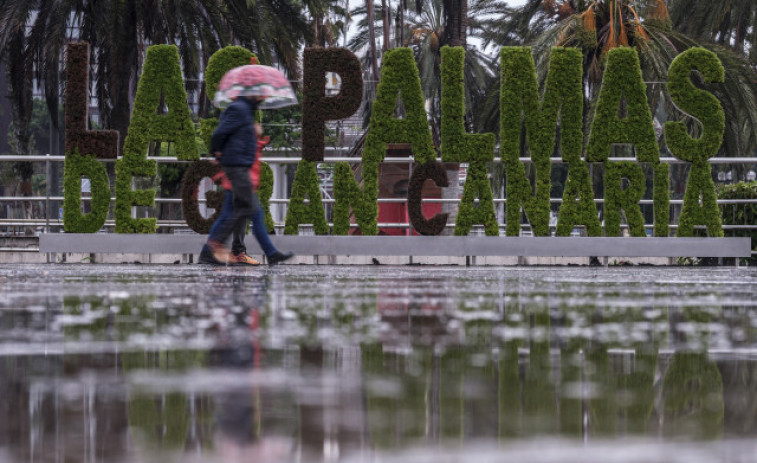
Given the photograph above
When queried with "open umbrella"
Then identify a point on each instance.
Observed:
(255, 80)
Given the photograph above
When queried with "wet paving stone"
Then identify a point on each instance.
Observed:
(129, 363)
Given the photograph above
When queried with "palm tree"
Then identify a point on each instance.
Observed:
(423, 31)
(34, 32)
(645, 25)
(730, 23)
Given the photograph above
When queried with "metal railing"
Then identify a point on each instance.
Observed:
(50, 220)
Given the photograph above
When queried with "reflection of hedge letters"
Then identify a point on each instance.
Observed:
(531, 125)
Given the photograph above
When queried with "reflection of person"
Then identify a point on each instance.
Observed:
(237, 409)
(234, 141)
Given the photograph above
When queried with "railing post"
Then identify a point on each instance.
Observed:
(48, 177)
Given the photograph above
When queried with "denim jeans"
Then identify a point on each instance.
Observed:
(239, 205)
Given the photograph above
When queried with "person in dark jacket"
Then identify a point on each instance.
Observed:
(234, 143)
(238, 249)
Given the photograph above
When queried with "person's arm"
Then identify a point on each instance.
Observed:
(231, 120)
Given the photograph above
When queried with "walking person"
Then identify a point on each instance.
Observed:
(234, 143)
(238, 249)
(242, 91)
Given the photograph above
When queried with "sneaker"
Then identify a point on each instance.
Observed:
(242, 259)
(213, 254)
(279, 256)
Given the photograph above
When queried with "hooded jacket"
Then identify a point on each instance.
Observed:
(235, 135)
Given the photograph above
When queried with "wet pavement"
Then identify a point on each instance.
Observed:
(184, 363)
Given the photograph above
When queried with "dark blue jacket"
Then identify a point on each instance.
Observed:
(235, 136)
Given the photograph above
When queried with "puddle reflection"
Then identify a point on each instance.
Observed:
(326, 364)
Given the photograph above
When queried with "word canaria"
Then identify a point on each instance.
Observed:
(554, 120)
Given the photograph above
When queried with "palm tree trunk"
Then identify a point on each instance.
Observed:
(455, 23)
(385, 24)
(372, 40)
(18, 74)
(456, 13)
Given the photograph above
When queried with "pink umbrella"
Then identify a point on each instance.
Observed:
(255, 80)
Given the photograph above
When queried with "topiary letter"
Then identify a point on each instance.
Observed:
(399, 75)
(623, 82)
(305, 184)
(317, 108)
(519, 105)
(626, 200)
(433, 171)
(457, 146)
(704, 107)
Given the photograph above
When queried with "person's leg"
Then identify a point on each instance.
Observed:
(273, 255)
(259, 229)
(227, 209)
(237, 241)
(243, 207)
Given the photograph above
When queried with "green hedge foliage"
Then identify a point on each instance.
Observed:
(161, 74)
(469, 213)
(305, 184)
(623, 82)
(220, 63)
(265, 191)
(189, 205)
(421, 172)
(696, 103)
(102, 144)
(126, 168)
(459, 146)
(317, 108)
(519, 101)
(76, 167)
(578, 207)
(627, 199)
(661, 199)
(399, 76)
(700, 185)
(82, 147)
(348, 194)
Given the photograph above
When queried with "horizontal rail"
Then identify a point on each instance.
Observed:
(411, 245)
(380, 200)
(357, 160)
(182, 224)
